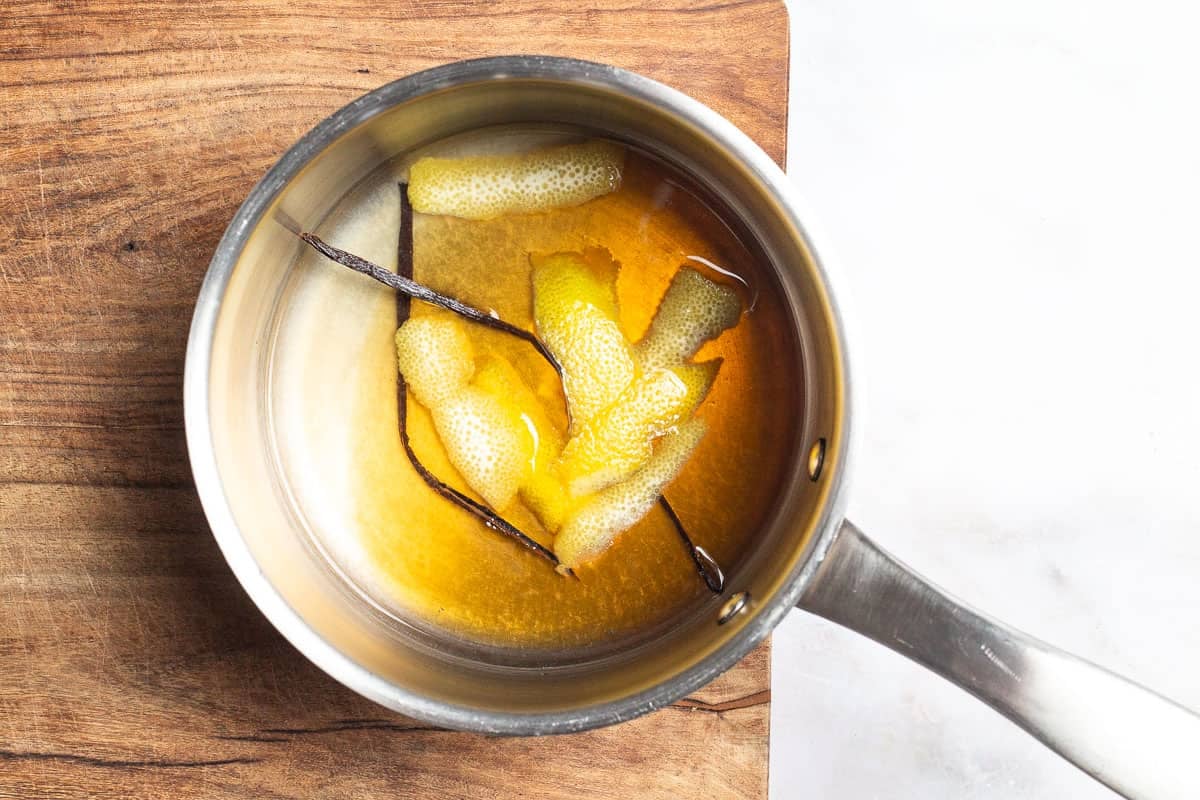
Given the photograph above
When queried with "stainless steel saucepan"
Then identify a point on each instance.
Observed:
(808, 555)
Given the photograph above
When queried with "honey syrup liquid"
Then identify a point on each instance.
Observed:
(427, 561)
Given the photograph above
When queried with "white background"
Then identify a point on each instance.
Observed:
(1009, 195)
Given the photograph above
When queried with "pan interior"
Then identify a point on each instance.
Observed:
(415, 556)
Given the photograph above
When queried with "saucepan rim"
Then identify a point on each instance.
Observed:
(769, 611)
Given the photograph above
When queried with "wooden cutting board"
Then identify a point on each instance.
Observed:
(131, 662)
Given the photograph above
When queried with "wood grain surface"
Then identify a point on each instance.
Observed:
(131, 662)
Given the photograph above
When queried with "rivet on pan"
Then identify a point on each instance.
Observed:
(733, 606)
(816, 459)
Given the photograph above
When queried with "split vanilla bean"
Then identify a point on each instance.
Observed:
(710, 572)
(407, 290)
(404, 271)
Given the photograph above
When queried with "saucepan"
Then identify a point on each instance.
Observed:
(807, 554)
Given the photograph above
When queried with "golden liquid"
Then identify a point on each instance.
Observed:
(435, 565)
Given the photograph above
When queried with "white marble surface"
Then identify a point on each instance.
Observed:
(1011, 196)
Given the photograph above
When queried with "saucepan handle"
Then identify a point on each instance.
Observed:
(1135, 741)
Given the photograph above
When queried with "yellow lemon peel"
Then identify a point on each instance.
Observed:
(487, 443)
(435, 357)
(575, 308)
(626, 402)
(496, 376)
(595, 524)
(693, 310)
(615, 443)
(482, 187)
(483, 422)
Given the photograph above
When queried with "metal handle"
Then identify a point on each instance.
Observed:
(1135, 741)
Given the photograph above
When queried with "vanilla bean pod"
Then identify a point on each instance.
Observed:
(407, 290)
